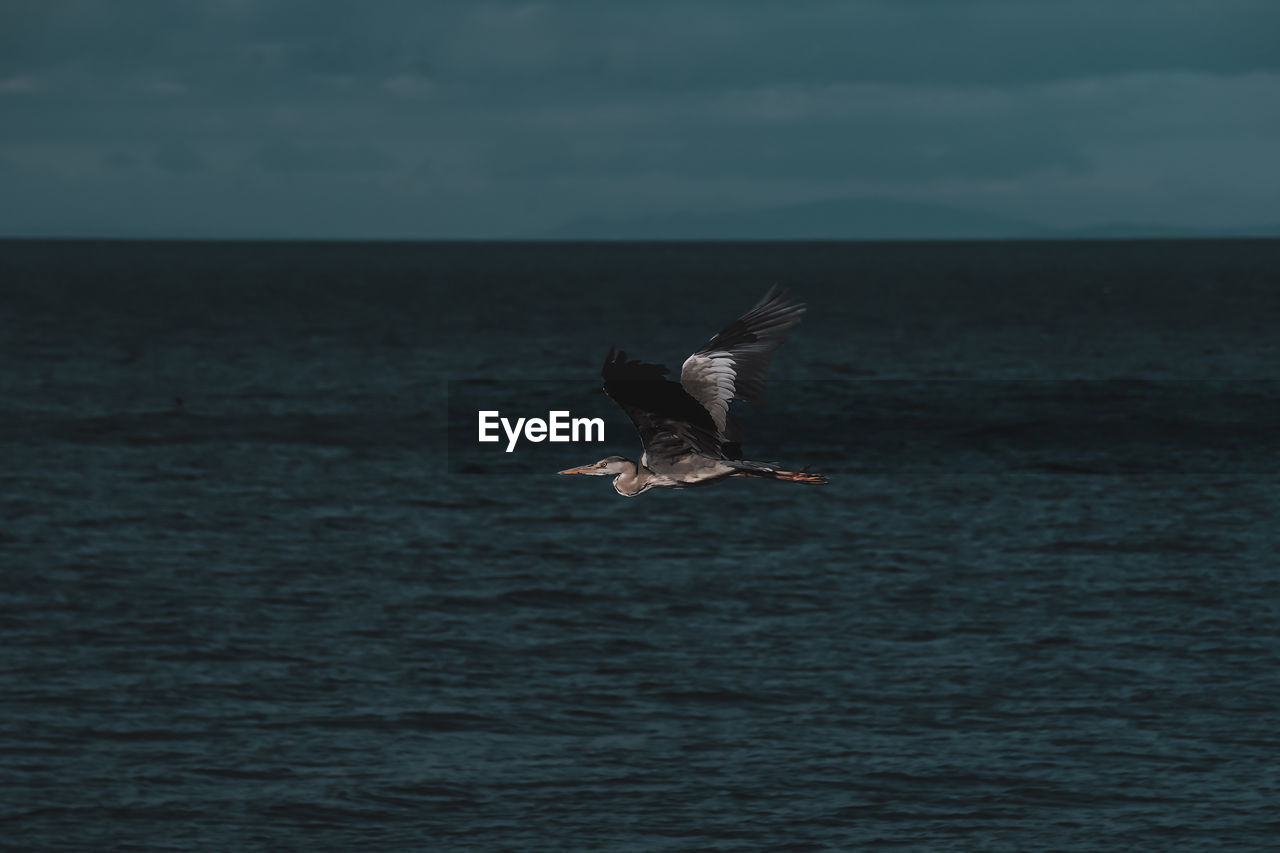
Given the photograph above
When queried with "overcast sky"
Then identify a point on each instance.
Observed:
(330, 118)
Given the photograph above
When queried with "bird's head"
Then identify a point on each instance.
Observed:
(607, 467)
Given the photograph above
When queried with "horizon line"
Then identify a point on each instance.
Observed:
(1092, 238)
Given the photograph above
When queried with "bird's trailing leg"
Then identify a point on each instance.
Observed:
(801, 476)
(747, 468)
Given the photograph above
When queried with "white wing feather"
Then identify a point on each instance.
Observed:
(735, 363)
(709, 379)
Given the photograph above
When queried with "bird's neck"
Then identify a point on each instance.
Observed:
(633, 482)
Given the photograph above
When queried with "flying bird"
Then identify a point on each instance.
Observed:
(688, 434)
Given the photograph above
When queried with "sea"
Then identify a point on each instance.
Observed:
(261, 588)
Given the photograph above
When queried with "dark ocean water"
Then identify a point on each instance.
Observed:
(1036, 609)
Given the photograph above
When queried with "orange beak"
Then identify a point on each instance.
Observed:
(585, 469)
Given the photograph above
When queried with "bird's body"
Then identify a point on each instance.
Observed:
(689, 436)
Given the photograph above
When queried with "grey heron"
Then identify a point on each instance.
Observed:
(689, 436)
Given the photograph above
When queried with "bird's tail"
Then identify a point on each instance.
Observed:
(760, 469)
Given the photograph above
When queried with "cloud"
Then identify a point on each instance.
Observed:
(19, 84)
(118, 160)
(285, 156)
(663, 45)
(409, 85)
(166, 88)
(905, 132)
(682, 46)
(177, 156)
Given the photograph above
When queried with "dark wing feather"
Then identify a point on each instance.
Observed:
(669, 421)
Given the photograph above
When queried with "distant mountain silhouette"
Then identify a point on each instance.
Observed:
(834, 219)
(860, 219)
(1138, 231)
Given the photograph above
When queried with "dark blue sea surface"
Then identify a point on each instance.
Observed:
(251, 600)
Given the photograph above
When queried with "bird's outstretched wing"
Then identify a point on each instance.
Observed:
(735, 363)
(670, 422)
